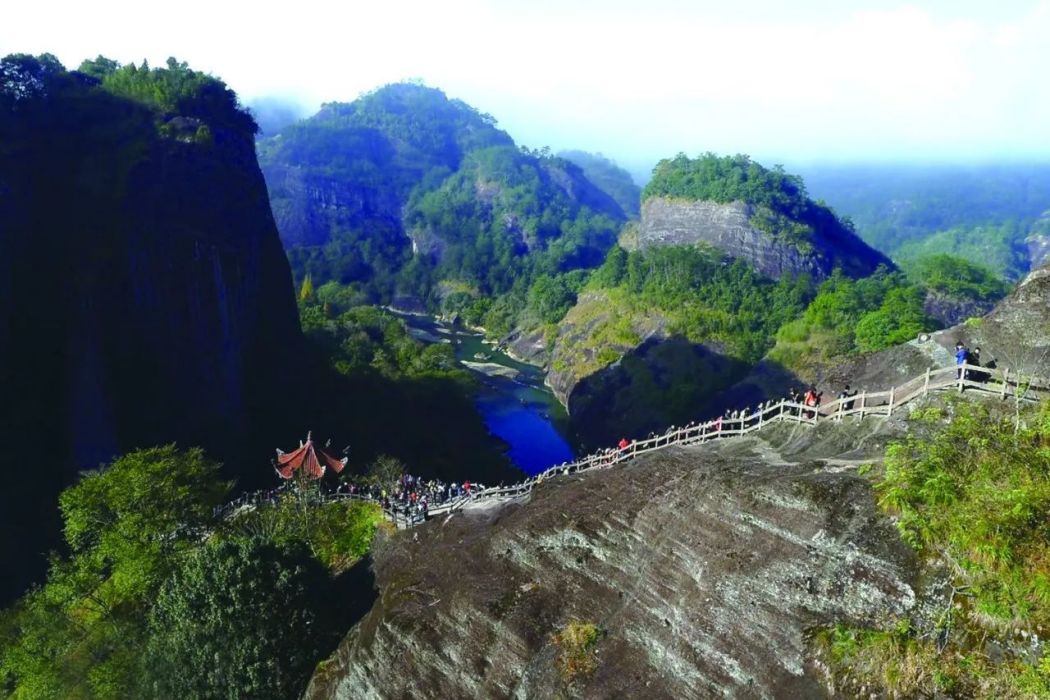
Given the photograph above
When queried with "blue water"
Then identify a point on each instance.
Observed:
(523, 413)
(512, 414)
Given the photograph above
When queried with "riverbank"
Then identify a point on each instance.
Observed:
(512, 399)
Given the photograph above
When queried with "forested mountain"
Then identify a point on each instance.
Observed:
(610, 177)
(993, 215)
(731, 266)
(406, 193)
(146, 296)
(752, 212)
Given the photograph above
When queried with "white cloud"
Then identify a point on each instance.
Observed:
(813, 79)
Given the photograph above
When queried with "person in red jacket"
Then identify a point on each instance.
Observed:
(623, 444)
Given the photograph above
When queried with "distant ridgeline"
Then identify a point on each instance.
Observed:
(610, 177)
(145, 296)
(405, 194)
(995, 215)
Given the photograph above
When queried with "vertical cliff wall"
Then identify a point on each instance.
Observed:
(145, 294)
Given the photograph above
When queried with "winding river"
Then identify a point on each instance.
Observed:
(519, 410)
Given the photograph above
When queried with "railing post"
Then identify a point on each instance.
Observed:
(889, 411)
(1006, 380)
(926, 384)
(962, 374)
(863, 394)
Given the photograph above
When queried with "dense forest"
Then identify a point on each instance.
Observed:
(431, 204)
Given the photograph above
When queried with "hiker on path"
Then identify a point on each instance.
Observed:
(962, 353)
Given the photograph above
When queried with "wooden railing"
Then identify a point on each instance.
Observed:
(1000, 383)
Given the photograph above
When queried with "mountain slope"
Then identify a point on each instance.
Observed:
(990, 214)
(407, 195)
(701, 571)
(609, 177)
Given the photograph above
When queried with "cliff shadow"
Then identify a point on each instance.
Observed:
(357, 592)
(662, 382)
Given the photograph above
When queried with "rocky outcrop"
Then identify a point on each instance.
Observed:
(728, 228)
(1038, 245)
(949, 311)
(1016, 333)
(703, 571)
(596, 332)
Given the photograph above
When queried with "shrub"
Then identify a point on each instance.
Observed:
(576, 650)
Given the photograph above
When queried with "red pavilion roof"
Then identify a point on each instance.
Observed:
(312, 460)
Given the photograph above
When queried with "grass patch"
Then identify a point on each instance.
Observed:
(577, 656)
(972, 497)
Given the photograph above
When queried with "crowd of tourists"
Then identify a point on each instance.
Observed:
(413, 497)
(410, 495)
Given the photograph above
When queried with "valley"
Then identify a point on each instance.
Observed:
(425, 305)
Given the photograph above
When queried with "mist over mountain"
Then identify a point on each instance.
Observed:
(991, 214)
(275, 113)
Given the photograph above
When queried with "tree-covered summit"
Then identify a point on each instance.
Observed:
(726, 179)
(172, 92)
(407, 194)
(391, 138)
(779, 201)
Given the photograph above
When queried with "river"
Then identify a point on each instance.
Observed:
(520, 411)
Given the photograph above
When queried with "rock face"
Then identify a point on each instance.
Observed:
(593, 331)
(702, 570)
(147, 300)
(1038, 249)
(951, 311)
(728, 227)
(1016, 332)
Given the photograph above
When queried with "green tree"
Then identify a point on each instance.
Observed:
(242, 618)
(126, 526)
(99, 67)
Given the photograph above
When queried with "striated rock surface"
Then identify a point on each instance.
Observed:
(703, 570)
(728, 227)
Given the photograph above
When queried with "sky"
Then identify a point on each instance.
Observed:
(806, 81)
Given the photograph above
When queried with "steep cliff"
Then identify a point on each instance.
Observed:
(149, 298)
(762, 216)
(729, 228)
(701, 569)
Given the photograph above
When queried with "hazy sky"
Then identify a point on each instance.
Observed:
(784, 81)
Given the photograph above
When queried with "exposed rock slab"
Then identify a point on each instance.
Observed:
(492, 369)
(703, 571)
(728, 227)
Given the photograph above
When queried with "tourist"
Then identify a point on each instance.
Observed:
(623, 444)
(961, 355)
(812, 399)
